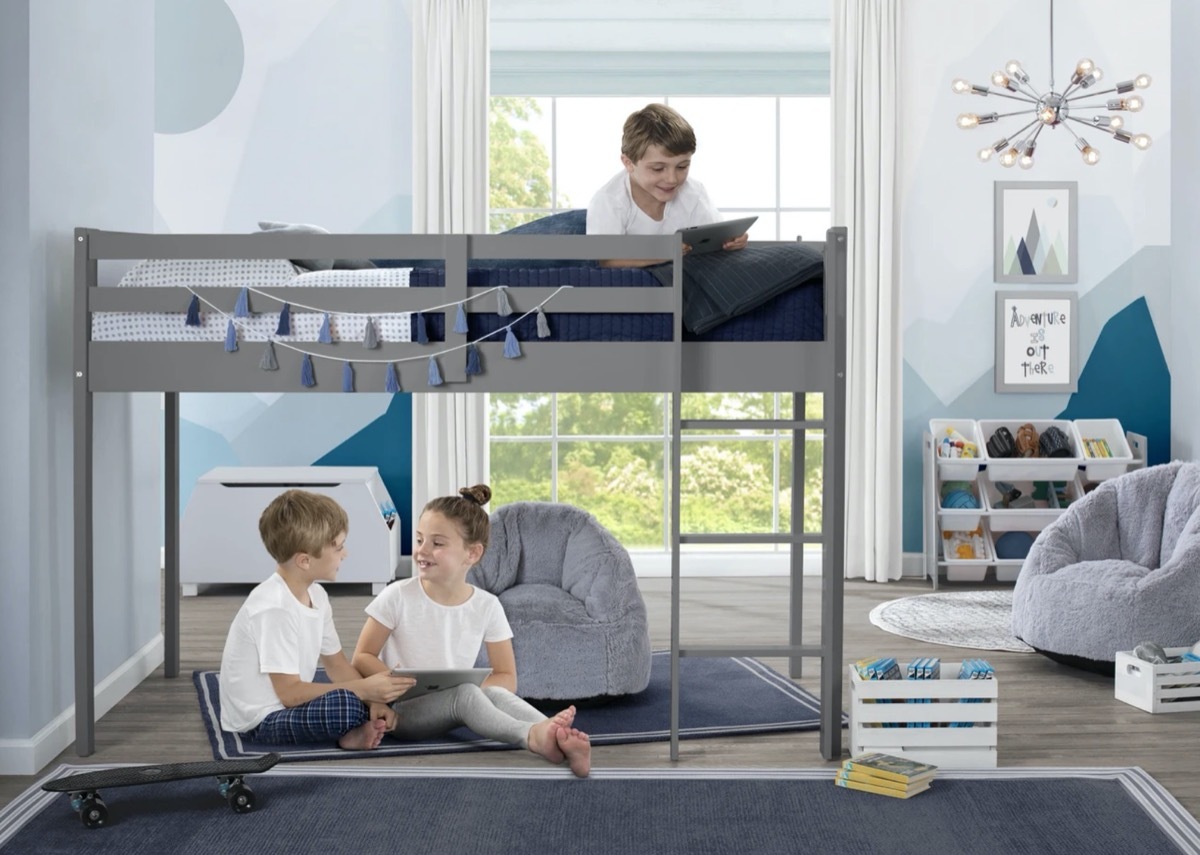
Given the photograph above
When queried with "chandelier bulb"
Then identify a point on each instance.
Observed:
(960, 86)
(1141, 141)
(1084, 67)
(1090, 156)
(1009, 158)
(985, 154)
(1141, 81)
(1134, 104)
(966, 121)
(1014, 70)
(1025, 161)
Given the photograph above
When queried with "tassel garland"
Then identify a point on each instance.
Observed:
(512, 348)
(242, 308)
(306, 372)
(422, 332)
(473, 364)
(543, 325)
(347, 377)
(503, 309)
(268, 363)
(460, 320)
(285, 320)
(435, 376)
(370, 339)
(230, 338)
(392, 383)
(325, 336)
(193, 313)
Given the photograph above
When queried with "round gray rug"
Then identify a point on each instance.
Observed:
(976, 619)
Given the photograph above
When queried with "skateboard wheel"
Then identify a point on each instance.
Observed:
(93, 813)
(240, 798)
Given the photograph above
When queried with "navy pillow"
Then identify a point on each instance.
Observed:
(573, 222)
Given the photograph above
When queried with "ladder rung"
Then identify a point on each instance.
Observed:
(783, 537)
(752, 650)
(751, 424)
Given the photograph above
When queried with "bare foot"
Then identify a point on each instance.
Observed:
(543, 740)
(564, 718)
(365, 737)
(577, 748)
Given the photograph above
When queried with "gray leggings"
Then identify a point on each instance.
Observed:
(490, 711)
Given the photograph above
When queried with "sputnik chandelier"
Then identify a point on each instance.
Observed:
(1053, 109)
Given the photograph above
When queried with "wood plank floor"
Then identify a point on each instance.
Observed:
(1049, 715)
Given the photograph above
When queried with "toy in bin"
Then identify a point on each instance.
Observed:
(964, 545)
(954, 444)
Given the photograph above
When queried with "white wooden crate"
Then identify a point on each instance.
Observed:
(941, 702)
(1158, 688)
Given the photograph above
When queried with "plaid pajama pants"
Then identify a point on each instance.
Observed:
(319, 720)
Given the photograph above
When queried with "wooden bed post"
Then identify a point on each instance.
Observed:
(85, 664)
(171, 591)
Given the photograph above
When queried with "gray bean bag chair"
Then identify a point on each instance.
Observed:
(569, 592)
(1119, 567)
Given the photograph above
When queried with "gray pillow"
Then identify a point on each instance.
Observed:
(270, 227)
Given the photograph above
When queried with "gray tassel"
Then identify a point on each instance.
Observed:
(268, 362)
(503, 309)
(543, 326)
(370, 339)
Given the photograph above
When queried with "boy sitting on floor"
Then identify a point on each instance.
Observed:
(286, 626)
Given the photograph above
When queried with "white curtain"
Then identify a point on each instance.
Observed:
(866, 71)
(450, 193)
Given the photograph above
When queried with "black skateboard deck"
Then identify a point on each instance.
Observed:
(85, 786)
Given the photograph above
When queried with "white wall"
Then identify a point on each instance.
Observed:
(76, 137)
(1185, 248)
(946, 212)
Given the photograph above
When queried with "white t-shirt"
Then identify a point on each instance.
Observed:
(425, 634)
(273, 633)
(612, 210)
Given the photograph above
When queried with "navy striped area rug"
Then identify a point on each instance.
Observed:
(719, 696)
(664, 811)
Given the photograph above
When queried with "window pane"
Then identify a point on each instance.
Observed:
(728, 405)
(735, 148)
(621, 483)
(767, 227)
(809, 225)
(589, 144)
(519, 168)
(806, 165)
(610, 414)
(520, 472)
(814, 451)
(725, 486)
(519, 415)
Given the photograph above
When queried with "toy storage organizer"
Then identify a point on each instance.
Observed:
(962, 540)
(1167, 688)
(951, 723)
(219, 540)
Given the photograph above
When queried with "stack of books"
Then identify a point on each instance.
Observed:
(885, 775)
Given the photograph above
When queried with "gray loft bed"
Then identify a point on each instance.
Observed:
(672, 366)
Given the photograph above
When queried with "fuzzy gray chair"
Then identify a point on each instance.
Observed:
(569, 592)
(1119, 567)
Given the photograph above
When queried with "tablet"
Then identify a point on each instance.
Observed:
(434, 680)
(711, 237)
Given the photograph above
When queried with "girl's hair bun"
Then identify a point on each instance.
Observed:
(480, 494)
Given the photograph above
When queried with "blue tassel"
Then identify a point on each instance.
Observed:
(230, 338)
(193, 313)
(473, 364)
(370, 340)
(285, 320)
(268, 363)
(460, 320)
(503, 309)
(325, 336)
(422, 333)
(392, 383)
(306, 372)
(435, 376)
(347, 377)
(543, 325)
(242, 308)
(512, 349)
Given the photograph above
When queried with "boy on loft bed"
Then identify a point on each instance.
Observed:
(652, 195)
(286, 626)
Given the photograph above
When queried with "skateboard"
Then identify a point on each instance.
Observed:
(85, 787)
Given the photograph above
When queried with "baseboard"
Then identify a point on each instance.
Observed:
(29, 756)
(912, 564)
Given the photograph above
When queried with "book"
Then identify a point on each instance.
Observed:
(873, 780)
(891, 768)
(882, 791)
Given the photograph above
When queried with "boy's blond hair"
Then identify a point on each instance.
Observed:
(657, 124)
(299, 521)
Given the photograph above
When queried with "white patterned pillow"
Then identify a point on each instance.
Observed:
(214, 272)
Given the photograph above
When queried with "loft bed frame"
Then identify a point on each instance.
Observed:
(668, 367)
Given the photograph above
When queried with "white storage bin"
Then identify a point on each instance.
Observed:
(957, 468)
(219, 540)
(1032, 519)
(874, 704)
(968, 569)
(1032, 468)
(1109, 430)
(1158, 688)
(961, 519)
